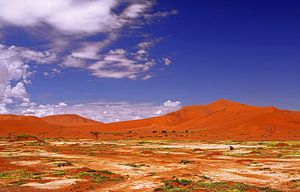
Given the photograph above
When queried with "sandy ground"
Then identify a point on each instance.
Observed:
(148, 165)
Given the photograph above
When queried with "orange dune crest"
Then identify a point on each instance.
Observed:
(70, 120)
(220, 120)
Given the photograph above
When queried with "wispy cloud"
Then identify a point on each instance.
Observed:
(167, 61)
(68, 26)
(69, 23)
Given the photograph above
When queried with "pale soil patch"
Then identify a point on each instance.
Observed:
(170, 152)
(232, 176)
(37, 153)
(58, 184)
(143, 185)
(268, 159)
(195, 146)
(85, 143)
(26, 163)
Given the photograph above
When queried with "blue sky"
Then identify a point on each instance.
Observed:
(144, 53)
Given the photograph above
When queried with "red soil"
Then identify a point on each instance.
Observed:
(220, 120)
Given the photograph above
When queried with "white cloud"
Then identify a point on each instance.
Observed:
(117, 63)
(70, 22)
(100, 111)
(147, 77)
(167, 61)
(136, 10)
(62, 104)
(3, 109)
(160, 14)
(14, 71)
(141, 52)
(72, 16)
(147, 44)
(159, 112)
(71, 61)
(172, 103)
(17, 91)
(67, 15)
(91, 50)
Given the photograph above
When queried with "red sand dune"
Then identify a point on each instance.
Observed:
(70, 120)
(220, 120)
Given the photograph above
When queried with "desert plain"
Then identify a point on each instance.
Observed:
(220, 147)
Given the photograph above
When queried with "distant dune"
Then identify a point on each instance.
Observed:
(70, 120)
(220, 120)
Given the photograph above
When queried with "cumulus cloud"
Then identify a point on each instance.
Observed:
(62, 104)
(3, 109)
(172, 103)
(100, 111)
(70, 16)
(14, 72)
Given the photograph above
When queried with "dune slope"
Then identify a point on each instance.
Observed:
(223, 119)
(220, 120)
(70, 120)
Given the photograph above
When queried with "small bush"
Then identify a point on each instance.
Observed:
(184, 161)
(106, 172)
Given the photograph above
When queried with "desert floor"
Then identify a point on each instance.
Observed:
(31, 164)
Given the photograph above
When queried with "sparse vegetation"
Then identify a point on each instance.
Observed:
(133, 165)
(98, 176)
(152, 142)
(176, 185)
(19, 174)
(58, 173)
(33, 144)
(183, 185)
(265, 169)
(204, 177)
(23, 136)
(19, 182)
(63, 164)
(152, 174)
(106, 172)
(96, 134)
(254, 164)
(184, 161)
(152, 162)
